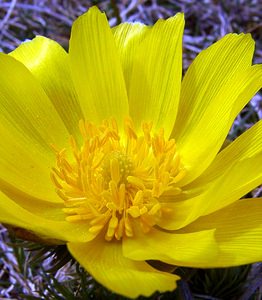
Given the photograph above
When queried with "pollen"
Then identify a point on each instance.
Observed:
(116, 180)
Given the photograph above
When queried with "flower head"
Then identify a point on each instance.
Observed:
(104, 149)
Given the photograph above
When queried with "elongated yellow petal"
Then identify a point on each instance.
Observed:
(191, 249)
(96, 68)
(29, 125)
(232, 186)
(237, 170)
(238, 232)
(181, 213)
(207, 74)
(49, 63)
(156, 78)
(47, 227)
(128, 38)
(106, 263)
(217, 86)
(247, 145)
(25, 105)
(44, 208)
(241, 179)
(25, 166)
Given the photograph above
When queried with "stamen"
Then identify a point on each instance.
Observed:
(115, 179)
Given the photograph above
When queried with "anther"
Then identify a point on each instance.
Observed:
(115, 179)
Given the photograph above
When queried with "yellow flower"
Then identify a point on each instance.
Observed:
(134, 155)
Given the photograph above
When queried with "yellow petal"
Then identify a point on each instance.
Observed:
(25, 104)
(247, 145)
(235, 171)
(156, 78)
(46, 226)
(217, 85)
(96, 68)
(25, 166)
(29, 125)
(190, 249)
(128, 37)
(211, 68)
(238, 232)
(106, 263)
(45, 207)
(181, 213)
(235, 183)
(49, 63)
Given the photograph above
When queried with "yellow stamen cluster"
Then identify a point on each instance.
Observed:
(117, 178)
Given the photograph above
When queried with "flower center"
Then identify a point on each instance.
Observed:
(117, 178)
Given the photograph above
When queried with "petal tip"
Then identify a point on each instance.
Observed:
(92, 11)
(178, 17)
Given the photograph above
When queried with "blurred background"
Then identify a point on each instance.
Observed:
(31, 271)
